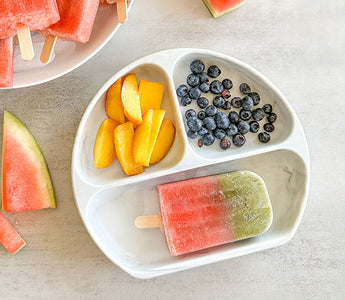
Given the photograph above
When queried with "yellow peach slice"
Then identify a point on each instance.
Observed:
(164, 141)
(130, 99)
(150, 95)
(104, 149)
(141, 139)
(113, 106)
(157, 119)
(123, 139)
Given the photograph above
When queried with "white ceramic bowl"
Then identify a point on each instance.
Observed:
(109, 201)
(68, 55)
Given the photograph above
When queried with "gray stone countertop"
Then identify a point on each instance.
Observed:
(300, 46)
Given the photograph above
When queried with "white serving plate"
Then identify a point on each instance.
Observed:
(68, 55)
(109, 201)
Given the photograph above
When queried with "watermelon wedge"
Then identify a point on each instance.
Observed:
(26, 183)
(221, 7)
(9, 237)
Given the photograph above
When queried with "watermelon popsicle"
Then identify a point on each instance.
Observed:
(6, 62)
(22, 16)
(121, 8)
(213, 210)
(77, 18)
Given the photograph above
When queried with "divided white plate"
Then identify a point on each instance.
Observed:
(68, 55)
(109, 201)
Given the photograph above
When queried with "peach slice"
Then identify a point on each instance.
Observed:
(123, 139)
(130, 99)
(104, 149)
(165, 139)
(150, 95)
(141, 139)
(157, 119)
(113, 106)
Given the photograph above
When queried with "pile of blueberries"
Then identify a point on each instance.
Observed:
(209, 123)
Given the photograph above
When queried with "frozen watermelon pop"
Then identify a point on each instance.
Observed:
(76, 22)
(22, 16)
(213, 210)
(6, 62)
(121, 8)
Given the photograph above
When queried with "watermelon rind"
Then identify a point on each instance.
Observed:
(216, 14)
(33, 151)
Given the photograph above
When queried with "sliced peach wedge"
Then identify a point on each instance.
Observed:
(150, 95)
(113, 106)
(123, 139)
(104, 149)
(130, 99)
(164, 141)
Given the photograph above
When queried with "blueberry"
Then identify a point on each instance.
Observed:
(192, 80)
(182, 90)
(245, 115)
(224, 144)
(201, 114)
(236, 102)
(190, 113)
(243, 127)
(254, 126)
(267, 108)
(232, 130)
(211, 110)
(203, 77)
(258, 114)
(209, 123)
(247, 103)
(194, 93)
(204, 87)
(227, 83)
(269, 127)
(218, 101)
(219, 133)
(227, 105)
(216, 87)
(186, 101)
(192, 134)
(222, 120)
(213, 71)
(272, 117)
(234, 117)
(255, 96)
(194, 124)
(208, 139)
(226, 94)
(264, 137)
(202, 131)
(202, 102)
(245, 88)
(238, 140)
(197, 66)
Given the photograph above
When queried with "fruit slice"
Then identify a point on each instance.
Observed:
(104, 150)
(113, 106)
(221, 7)
(164, 141)
(141, 139)
(130, 99)
(26, 184)
(123, 138)
(9, 237)
(150, 95)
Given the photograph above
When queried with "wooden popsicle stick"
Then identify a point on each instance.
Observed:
(25, 42)
(48, 48)
(122, 10)
(148, 221)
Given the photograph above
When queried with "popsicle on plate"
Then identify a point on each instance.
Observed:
(213, 210)
(6, 62)
(121, 8)
(76, 22)
(22, 16)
